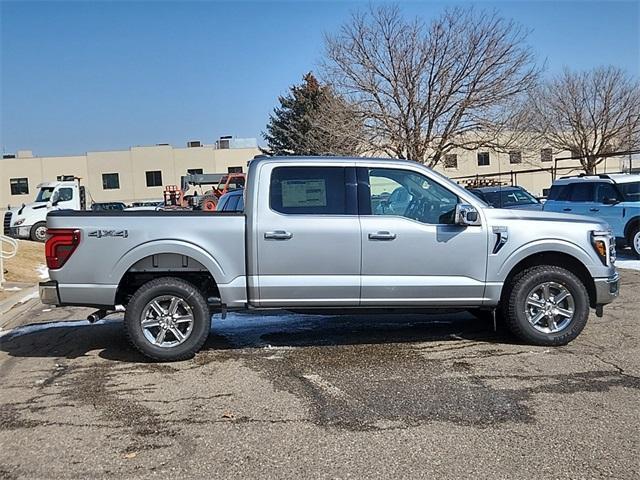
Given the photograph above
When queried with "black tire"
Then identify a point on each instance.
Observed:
(163, 287)
(634, 240)
(516, 299)
(38, 232)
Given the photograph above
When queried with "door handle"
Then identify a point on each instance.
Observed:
(566, 209)
(594, 209)
(278, 235)
(382, 236)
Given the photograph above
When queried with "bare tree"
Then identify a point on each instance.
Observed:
(423, 90)
(589, 113)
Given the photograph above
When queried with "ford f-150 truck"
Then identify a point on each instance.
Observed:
(337, 235)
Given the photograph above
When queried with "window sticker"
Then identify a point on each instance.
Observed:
(304, 193)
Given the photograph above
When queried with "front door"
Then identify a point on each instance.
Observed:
(412, 252)
(308, 237)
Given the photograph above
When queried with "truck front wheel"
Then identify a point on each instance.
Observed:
(634, 241)
(547, 305)
(39, 232)
(167, 319)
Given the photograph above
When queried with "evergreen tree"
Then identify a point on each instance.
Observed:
(312, 120)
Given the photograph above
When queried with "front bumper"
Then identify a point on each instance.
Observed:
(23, 231)
(49, 292)
(607, 289)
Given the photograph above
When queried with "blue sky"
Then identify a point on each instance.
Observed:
(99, 76)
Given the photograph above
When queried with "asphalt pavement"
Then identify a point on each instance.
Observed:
(304, 396)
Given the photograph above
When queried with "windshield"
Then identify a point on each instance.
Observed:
(631, 191)
(510, 198)
(44, 195)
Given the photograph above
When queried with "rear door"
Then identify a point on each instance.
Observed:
(412, 252)
(308, 236)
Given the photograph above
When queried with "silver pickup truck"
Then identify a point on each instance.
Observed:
(332, 234)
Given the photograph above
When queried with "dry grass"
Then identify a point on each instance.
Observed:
(24, 266)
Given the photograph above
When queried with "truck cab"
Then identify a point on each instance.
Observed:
(29, 221)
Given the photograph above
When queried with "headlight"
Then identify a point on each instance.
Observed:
(20, 221)
(604, 243)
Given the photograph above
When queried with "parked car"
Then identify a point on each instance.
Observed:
(507, 197)
(614, 198)
(231, 202)
(107, 206)
(309, 239)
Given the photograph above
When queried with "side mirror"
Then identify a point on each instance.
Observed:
(467, 215)
(55, 199)
(610, 201)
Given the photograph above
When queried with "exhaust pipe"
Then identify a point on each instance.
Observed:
(97, 315)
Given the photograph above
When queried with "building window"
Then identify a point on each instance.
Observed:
(194, 171)
(234, 170)
(515, 156)
(154, 178)
(483, 159)
(19, 186)
(451, 160)
(110, 181)
(546, 155)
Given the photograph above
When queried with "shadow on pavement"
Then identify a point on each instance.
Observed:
(72, 339)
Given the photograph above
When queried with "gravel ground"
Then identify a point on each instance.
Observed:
(293, 396)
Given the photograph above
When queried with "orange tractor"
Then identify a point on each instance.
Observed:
(177, 198)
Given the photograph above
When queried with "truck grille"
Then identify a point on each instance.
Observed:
(7, 222)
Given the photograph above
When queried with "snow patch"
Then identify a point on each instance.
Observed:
(12, 289)
(627, 262)
(43, 272)
(31, 296)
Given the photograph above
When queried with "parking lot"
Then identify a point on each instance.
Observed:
(286, 395)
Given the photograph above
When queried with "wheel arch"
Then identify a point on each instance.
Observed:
(554, 258)
(630, 226)
(166, 259)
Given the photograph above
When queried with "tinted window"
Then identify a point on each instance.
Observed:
(19, 186)
(411, 195)
(558, 192)
(110, 181)
(154, 178)
(582, 192)
(509, 198)
(631, 191)
(65, 194)
(605, 190)
(308, 190)
(483, 159)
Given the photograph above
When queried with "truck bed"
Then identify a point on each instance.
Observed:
(113, 243)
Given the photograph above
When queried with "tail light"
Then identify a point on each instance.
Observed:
(61, 243)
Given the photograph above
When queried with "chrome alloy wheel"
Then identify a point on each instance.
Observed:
(549, 307)
(167, 321)
(636, 242)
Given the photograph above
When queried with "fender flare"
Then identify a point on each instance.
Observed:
(543, 246)
(157, 247)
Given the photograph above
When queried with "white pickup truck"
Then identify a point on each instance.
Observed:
(29, 221)
(337, 235)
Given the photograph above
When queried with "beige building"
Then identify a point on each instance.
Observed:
(137, 174)
(533, 170)
(141, 173)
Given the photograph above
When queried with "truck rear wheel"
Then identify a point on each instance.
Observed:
(167, 319)
(39, 232)
(547, 305)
